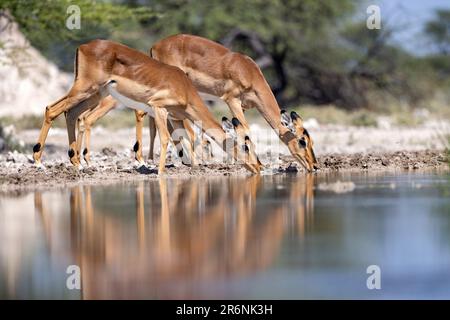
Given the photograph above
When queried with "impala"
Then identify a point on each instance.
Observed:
(237, 80)
(107, 68)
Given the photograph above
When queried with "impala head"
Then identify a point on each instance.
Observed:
(244, 147)
(302, 146)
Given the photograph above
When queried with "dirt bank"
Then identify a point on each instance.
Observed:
(17, 171)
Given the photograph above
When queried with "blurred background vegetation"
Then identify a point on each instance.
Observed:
(314, 53)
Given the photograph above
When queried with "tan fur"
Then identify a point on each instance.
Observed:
(138, 77)
(233, 77)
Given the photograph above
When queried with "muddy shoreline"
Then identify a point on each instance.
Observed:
(17, 172)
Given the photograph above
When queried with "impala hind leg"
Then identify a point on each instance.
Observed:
(51, 113)
(152, 131)
(164, 136)
(71, 120)
(137, 148)
(64, 104)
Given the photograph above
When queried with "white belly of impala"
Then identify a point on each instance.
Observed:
(129, 103)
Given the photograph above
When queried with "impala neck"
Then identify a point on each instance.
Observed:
(268, 107)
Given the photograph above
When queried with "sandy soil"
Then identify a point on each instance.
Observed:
(17, 171)
(337, 149)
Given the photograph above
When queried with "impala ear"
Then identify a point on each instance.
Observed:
(236, 123)
(285, 120)
(297, 121)
(238, 127)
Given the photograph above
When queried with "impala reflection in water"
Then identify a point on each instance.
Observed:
(163, 239)
(276, 236)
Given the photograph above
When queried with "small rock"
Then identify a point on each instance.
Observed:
(291, 168)
(16, 157)
(89, 170)
(109, 152)
(10, 157)
(121, 164)
(9, 130)
(144, 170)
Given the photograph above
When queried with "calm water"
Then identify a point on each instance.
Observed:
(256, 237)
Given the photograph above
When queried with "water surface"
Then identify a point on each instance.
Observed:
(253, 237)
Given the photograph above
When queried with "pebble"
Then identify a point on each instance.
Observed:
(15, 167)
(109, 152)
(291, 168)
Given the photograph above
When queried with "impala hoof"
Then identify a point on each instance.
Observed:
(140, 163)
(39, 165)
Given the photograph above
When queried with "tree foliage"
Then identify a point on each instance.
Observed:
(275, 33)
(312, 51)
(44, 23)
(438, 30)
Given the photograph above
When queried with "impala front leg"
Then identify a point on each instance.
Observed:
(51, 112)
(191, 137)
(140, 115)
(235, 106)
(71, 123)
(241, 126)
(81, 130)
(87, 141)
(152, 131)
(164, 136)
(181, 138)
